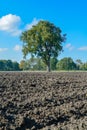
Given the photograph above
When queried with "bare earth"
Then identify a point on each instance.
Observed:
(46, 101)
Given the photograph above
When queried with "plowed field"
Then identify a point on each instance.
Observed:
(40, 100)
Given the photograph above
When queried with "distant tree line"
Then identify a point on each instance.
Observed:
(8, 65)
(66, 63)
(34, 64)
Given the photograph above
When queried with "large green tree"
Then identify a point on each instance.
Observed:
(43, 40)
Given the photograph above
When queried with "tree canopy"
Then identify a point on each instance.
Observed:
(43, 40)
(66, 63)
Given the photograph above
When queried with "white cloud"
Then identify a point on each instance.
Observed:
(84, 48)
(3, 49)
(69, 46)
(10, 23)
(17, 47)
(34, 22)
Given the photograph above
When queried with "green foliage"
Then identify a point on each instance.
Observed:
(36, 63)
(53, 63)
(83, 66)
(8, 65)
(22, 65)
(33, 64)
(15, 66)
(43, 40)
(79, 64)
(39, 65)
(66, 64)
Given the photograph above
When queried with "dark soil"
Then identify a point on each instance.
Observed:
(46, 101)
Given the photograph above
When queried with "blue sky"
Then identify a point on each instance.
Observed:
(19, 15)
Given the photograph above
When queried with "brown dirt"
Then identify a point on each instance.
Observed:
(46, 101)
